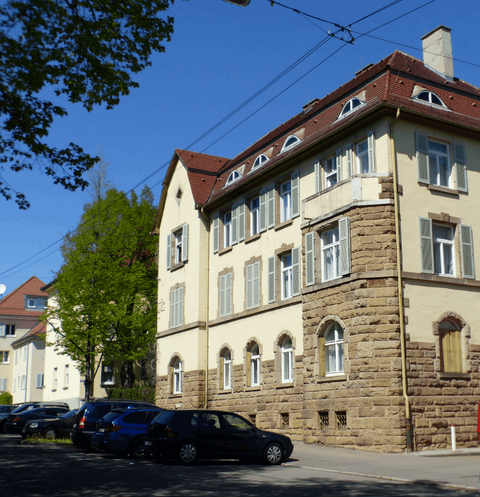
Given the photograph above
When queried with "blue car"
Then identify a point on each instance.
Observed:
(121, 431)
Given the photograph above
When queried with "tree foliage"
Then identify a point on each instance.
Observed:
(107, 287)
(85, 50)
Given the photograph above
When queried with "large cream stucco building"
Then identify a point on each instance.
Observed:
(323, 282)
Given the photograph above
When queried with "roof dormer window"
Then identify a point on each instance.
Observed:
(261, 159)
(430, 97)
(234, 176)
(350, 106)
(290, 142)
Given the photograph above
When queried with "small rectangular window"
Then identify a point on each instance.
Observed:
(4, 356)
(107, 374)
(341, 417)
(323, 420)
(254, 216)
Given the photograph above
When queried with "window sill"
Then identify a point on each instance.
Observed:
(252, 238)
(454, 376)
(225, 250)
(174, 267)
(443, 189)
(327, 379)
(104, 385)
(225, 391)
(65, 388)
(175, 395)
(289, 384)
(53, 389)
(283, 225)
(254, 388)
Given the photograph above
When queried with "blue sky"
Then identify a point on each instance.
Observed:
(220, 55)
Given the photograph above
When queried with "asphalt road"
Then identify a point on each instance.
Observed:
(63, 471)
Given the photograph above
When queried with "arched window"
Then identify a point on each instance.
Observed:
(287, 360)
(450, 347)
(430, 97)
(261, 159)
(177, 376)
(254, 365)
(331, 350)
(234, 176)
(290, 142)
(350, 106)
(225, 367)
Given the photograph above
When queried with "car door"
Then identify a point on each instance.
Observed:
(210, 435)
(242, 439)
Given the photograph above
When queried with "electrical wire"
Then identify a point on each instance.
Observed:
(235, 111)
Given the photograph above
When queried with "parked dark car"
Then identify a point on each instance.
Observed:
(121, 431)
(5, 410)
(91, 412)
(58, 427)
(188, 435)
(17, 420)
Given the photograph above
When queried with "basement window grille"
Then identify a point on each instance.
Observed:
(341, 420)
(323, 419)
(284, 420)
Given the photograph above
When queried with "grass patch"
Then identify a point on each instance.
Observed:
(39, 439)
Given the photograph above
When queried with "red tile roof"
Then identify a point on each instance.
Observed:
(14, 302)
(389, 83)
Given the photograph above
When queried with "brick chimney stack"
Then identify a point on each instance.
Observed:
(437, 51)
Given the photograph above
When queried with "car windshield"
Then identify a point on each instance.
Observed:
(112, 415)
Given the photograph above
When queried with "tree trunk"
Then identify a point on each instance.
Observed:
(126, 374)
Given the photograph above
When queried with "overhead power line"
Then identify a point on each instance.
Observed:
(235, 111)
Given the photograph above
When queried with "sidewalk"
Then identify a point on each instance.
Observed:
(458, 470)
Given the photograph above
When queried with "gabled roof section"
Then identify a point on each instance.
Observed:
(14, 302)
(202, 172)
(39, 330)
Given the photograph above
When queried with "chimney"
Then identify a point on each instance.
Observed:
(437, 51)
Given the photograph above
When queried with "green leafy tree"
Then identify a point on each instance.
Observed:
(107, 287)
(85, 50)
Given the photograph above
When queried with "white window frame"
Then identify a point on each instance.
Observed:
(260, 160)
(178, 237)
(227, 370)
(431, 95)
(336, 345)
(39, 380)
(255, 365)
(107, 371)
(4, 357)
(227, 229)
(349, 107)
(177, 376)
(330, 166)
(286, 350)
(232, 177)
(254, 216)
(436, 155)
(3, 384)
(440, 247)
(361, 155)
(292, 143)
(286, 267)
(9, 328)
(332, 249)
(66, 376)
(55, 379)
(285, 201)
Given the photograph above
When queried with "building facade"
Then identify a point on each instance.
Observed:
(322, 283)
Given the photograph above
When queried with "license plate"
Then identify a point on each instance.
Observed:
(101, 430)
(148, 442)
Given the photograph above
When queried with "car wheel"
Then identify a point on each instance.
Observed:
(137, 449)
(187, 453)
(273, 454)
(50, 432)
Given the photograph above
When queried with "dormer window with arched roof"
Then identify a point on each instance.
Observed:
(261, 159)
(430, 97)
(290, 142)
(234, 176)
(350, 106)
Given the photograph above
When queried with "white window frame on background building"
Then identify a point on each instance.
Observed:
(108, 374)
(286, 268)
(254, 216)
(255, 365)
(232, 177)
(55, 379)
(66, 376)
(227, 370)
(290, 142)
(4, 357)
(261, 159)
(430, 98)
(177, 247)
(285, 201)
(353, 104)
(330, 254)
(178, 235)
(227, 229)
(443, 249)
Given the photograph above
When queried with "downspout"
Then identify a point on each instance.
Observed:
(408, 417)
(26, 371)
(207, 307)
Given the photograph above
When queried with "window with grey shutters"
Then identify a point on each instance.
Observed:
(2, 330)
(318, 177)
(216, 233)
(176, 312)
(466, 242)
(253, 286)
(271, 279)
(426, 245)
(263, 210)
(295, 194)
(39, 380)
(241, 220)
(271, 206)
(225, 295)
(344, 236)
(460, 167)
(169, 251)
(296, 270)
(310, 258)
(348, 153)
(177, 247)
